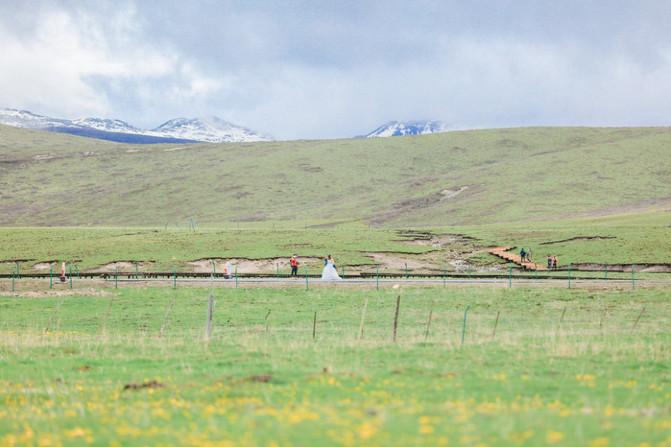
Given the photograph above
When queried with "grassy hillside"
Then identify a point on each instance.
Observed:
(456, 178)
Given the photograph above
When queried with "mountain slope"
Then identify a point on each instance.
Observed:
(465, 177)
(407, 128)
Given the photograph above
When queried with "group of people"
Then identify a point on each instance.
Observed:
(552, 262)
(525, 256)
(329, 272)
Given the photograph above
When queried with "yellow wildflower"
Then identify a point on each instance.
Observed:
(599, 442)
(367, 430)
(553, 437)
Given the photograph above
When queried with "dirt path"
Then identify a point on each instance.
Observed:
(503, 253)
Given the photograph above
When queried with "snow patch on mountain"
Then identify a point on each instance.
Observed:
(29, 120)
(210, 129)
(404, 128)
(107, 125)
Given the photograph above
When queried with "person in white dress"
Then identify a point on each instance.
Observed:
(329, 273)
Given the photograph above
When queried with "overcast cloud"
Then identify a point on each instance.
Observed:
(309, 69)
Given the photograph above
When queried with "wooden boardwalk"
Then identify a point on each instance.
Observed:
(503, 253)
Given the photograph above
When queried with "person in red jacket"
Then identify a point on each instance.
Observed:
(294, 265)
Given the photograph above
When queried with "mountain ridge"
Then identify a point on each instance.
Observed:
(178, 130)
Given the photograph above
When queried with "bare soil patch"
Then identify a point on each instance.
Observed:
(265, 265)
(450, 193)
(123, 266)
(61, 293)
(643, 268)
(139, 386)
(262, 378)
(46, 265)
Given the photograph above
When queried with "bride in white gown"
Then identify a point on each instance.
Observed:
(329, 273)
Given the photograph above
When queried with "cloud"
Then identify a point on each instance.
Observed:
(70, 63)
(302, 69)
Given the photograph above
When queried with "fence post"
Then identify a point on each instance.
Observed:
(174, 277)
(398, 304)
(510, 276)
(570, 266)
(363, 318)
(70, 274)
(406, 270)
(51, 275)
(236, 276)
(463, 327)
(210, 315)
(428, 324)
(377, 277)
(633, 276)
(605, 271)
(314, 327)
(307, 285)
(13, 286)
(116, 277)
(496, 323)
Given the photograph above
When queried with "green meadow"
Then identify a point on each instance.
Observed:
(133, 366)
(619, 240)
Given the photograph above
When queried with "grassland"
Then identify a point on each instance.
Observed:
(131, 367)
(630, 238)
(633, 238)
(167, 249)
(456, 178)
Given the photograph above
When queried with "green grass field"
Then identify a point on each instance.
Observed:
(620, 240)
(131, 367)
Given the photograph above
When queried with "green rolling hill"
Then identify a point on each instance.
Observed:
(454, 178)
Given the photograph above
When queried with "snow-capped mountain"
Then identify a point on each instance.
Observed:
(210, 129)
(179, 130)
(403, 128)
(107, 125)
(29, 120)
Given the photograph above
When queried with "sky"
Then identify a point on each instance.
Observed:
(331, 69)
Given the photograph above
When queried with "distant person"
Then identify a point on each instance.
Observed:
(549, 262)
(293, 262)
(329, 273)
(62, 271)
(554, 263)
(523, 255)
(529, 255)
(228, 270)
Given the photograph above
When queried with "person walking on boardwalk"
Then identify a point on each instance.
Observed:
(293, 262)
(523, 255)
